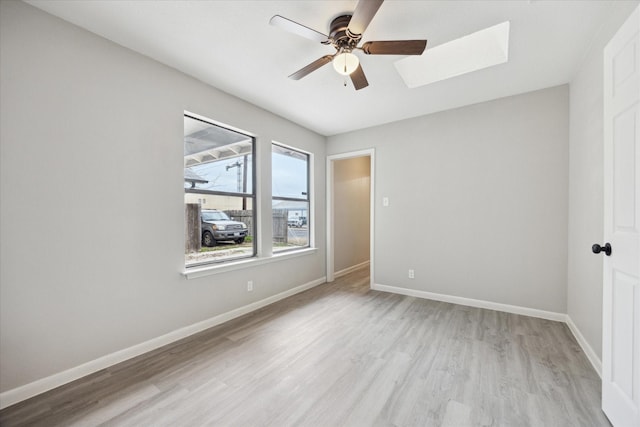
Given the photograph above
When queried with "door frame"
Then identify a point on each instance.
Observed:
(330, 273)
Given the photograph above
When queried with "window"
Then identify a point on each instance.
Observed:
(290, 198)
(219, 193)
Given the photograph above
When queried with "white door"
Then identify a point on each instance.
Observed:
(621, 299)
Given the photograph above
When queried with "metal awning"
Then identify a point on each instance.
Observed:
(205, 143)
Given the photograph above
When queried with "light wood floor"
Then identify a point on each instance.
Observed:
(341, 354)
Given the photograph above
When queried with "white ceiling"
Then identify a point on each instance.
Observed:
(230, 45)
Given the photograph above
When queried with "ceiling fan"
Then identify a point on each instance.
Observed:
(345, 33)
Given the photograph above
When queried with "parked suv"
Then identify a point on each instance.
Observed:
(216, 225)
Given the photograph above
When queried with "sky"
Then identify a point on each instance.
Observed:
(289, 175)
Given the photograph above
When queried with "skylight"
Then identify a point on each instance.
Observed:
(482, 49)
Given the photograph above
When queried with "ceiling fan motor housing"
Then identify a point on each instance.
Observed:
(340, 37)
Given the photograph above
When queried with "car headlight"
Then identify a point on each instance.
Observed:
(221, 227)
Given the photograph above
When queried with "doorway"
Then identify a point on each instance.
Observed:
(350, 213)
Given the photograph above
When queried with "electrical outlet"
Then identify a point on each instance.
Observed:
(412, 274)
(385, 201)
(250, 286)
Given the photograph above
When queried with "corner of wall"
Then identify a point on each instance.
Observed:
(584, 344)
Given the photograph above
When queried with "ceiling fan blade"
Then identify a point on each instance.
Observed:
(311, 67)
(396, 47)
(362, 16)
(358, 78)
(299, 29)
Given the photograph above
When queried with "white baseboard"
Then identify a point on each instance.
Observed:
(525, 311)
(27, 391)
(591, 355)
(349, 269)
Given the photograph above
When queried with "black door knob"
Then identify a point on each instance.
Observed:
(597, 249)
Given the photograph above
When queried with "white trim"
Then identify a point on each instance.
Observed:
(312, 187)
(330, 273)
(372, 217)
(208, 270)
(582, 342)
(515, 309)
(311, 222)
(32, 389)
(217, 123)
(348, 270)
(329, 258)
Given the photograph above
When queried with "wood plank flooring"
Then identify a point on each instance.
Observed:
(342, 355)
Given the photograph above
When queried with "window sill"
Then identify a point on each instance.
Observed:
(208, 270)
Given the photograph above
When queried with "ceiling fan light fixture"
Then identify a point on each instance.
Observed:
(345, 63)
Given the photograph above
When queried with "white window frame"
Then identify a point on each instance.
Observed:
(310, 196)
(262, 215)
(253, 196)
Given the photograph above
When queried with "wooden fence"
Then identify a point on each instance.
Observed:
(193, 230)
(280, 231)
(280, 218)
(242, 216)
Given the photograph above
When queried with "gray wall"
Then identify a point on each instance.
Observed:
(351, 201)
(92, 209)
(488, 188)
(91, 137)
(586, 171)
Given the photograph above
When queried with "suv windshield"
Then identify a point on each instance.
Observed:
(214, 216)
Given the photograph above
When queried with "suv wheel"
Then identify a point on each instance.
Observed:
(240, 240)
(208, 240)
